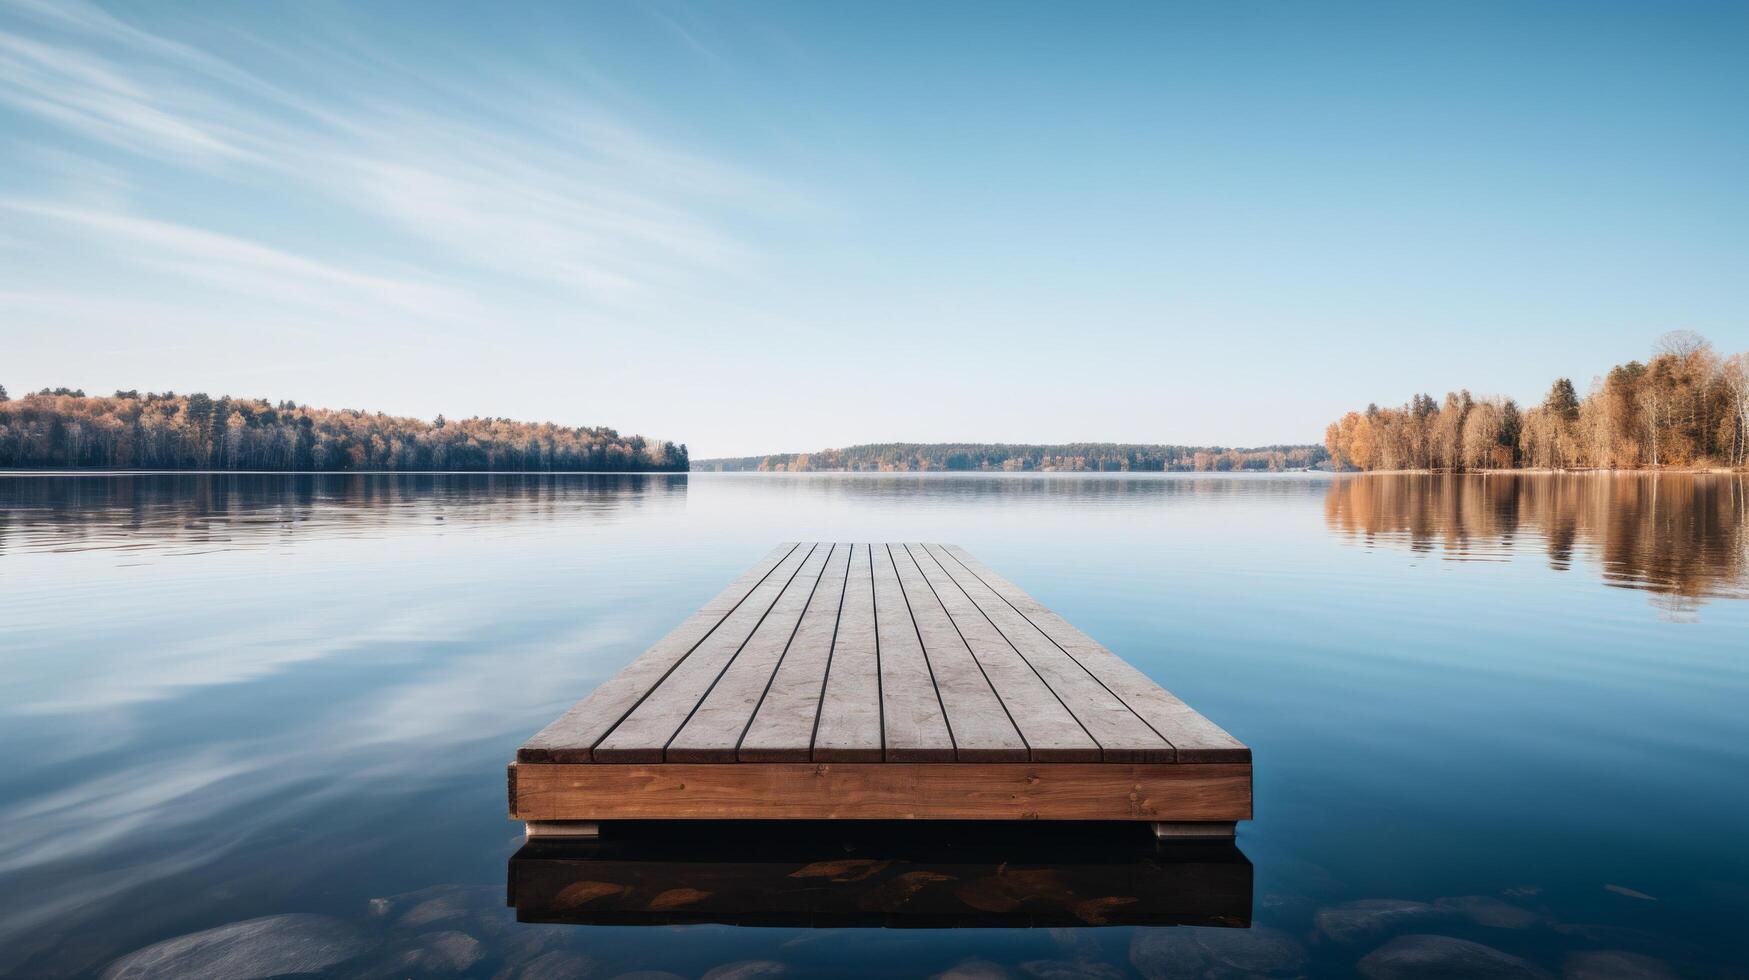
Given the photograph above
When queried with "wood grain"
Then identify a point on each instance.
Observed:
(716, 725)
(574, 734)
(782, 729)
(849, 727)
(882, 791)
(982, 729)
(644, 733)
(1051, 732)
(1194, 737)
(1122, 734)
(914, 725)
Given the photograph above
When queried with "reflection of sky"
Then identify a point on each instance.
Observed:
(321, 713)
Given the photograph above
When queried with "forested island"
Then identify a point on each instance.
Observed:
(1075, 457)
(65, 428)
(1687, 407)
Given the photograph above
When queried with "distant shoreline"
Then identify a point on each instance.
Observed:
(1515, 471)
(110, 471)
(1551, 471)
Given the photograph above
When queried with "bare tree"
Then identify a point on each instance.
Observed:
(1681, 344)
(1735, 375)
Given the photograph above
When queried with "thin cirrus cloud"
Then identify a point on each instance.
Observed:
(521, 198)
(237, 264)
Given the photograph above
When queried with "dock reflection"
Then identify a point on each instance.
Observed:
(845, 874)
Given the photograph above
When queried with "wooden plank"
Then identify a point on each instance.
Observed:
(914, 723)
(573, 736)
(1122, 735)
(724, 713)
(782, 729)
(645, 732)
(982, 729)
(849, 726)
(1195, 738)
(1052, 734)
(883, 791)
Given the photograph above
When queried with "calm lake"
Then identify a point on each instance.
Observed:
(1508, 710)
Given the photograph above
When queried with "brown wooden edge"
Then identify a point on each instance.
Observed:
(1176, 792)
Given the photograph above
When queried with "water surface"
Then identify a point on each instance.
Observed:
(1513, 706)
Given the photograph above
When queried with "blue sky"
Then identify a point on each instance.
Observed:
(777, 226)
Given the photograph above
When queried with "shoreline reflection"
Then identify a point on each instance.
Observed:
(1682, 537)
(238, 510)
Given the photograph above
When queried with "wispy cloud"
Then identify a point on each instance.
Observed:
(233, 262)
(435, 208)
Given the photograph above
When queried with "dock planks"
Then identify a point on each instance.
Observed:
(880, 681)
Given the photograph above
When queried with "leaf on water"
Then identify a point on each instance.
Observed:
(1094, 910)
(849, 869)
(674, 898)
(577, 893)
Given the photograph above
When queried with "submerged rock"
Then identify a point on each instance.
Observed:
(1187, 951)
(1491, 912)
(1077, 944)
(1071, 970)
(266, 947)
(974, 970)
(1354, 921)
(745, 970)
(1258, 949)
(555, 965)
(1166, 954)
(1441, 957)
(443, 908)
(1616, 964)
(527, 944)
(442, 952)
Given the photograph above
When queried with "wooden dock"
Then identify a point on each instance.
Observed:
(879, 682)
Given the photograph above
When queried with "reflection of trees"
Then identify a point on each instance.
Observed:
(999, 486)
(123, 509)
(1680, 536)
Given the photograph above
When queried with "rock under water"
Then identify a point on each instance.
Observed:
(271, 946)
(1354, 921)
(1187, 951)
(1616, 964)
(1442, 957)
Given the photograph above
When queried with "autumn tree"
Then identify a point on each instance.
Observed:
(1683, 407)
(63, 428)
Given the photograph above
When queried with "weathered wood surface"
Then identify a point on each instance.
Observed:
(883, 791)
(1193, 737)
(855, 680)
(575, 734)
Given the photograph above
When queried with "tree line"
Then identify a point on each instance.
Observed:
(1686, 407)
(65, 428)
(1081, 457)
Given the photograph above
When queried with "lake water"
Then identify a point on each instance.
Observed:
(1517, 708)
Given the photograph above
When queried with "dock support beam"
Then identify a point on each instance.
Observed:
(561, 828)
(1196, 831)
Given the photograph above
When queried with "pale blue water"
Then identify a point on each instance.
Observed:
(237, 696)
